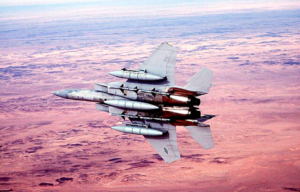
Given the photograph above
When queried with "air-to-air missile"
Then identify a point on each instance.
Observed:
(152, 103)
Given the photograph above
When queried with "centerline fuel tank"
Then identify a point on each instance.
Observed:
(125, 104)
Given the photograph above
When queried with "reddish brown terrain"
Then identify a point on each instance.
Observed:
(52, 144)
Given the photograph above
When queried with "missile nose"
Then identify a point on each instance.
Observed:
(61, 93)
(118, 128)
(114, 73)
(152, 107)
(55, 93)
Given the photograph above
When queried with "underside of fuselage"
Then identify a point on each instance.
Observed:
(152, 103)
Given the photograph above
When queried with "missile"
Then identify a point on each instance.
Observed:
(136, 75)
(138, 130)
(125, 104)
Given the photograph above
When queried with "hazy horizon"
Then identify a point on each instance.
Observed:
(52, 144)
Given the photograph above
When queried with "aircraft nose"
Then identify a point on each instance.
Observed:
(61, 93)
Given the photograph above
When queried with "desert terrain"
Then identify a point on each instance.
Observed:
(52, 144)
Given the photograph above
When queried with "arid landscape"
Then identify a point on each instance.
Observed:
(52, 144)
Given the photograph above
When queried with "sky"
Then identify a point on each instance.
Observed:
(115, 2)
(167, 3)
(57, 9)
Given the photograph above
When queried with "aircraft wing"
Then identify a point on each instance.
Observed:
(165, 145)
(202, 135)
(162, 63)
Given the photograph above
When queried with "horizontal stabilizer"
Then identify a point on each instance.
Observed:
(201, 81)
(205, 117)
(202, 135)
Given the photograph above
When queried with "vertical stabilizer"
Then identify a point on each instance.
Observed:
(201, 81)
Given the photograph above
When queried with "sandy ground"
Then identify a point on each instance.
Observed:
(51, 144)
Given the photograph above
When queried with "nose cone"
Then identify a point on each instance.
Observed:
(148, 106)
(116, 73)
(55, 93)
(61, 93)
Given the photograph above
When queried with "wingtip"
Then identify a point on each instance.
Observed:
(167, 44)
(210, 146)
(171, 159)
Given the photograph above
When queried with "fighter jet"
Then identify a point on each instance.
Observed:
(152, 103)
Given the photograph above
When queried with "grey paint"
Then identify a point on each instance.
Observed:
(165, 145)
(102, 107)
(125, 104)
(202, 135)
(138, 130)
(136, 75)
(201, 81)
(162, 63)
(154, 107)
